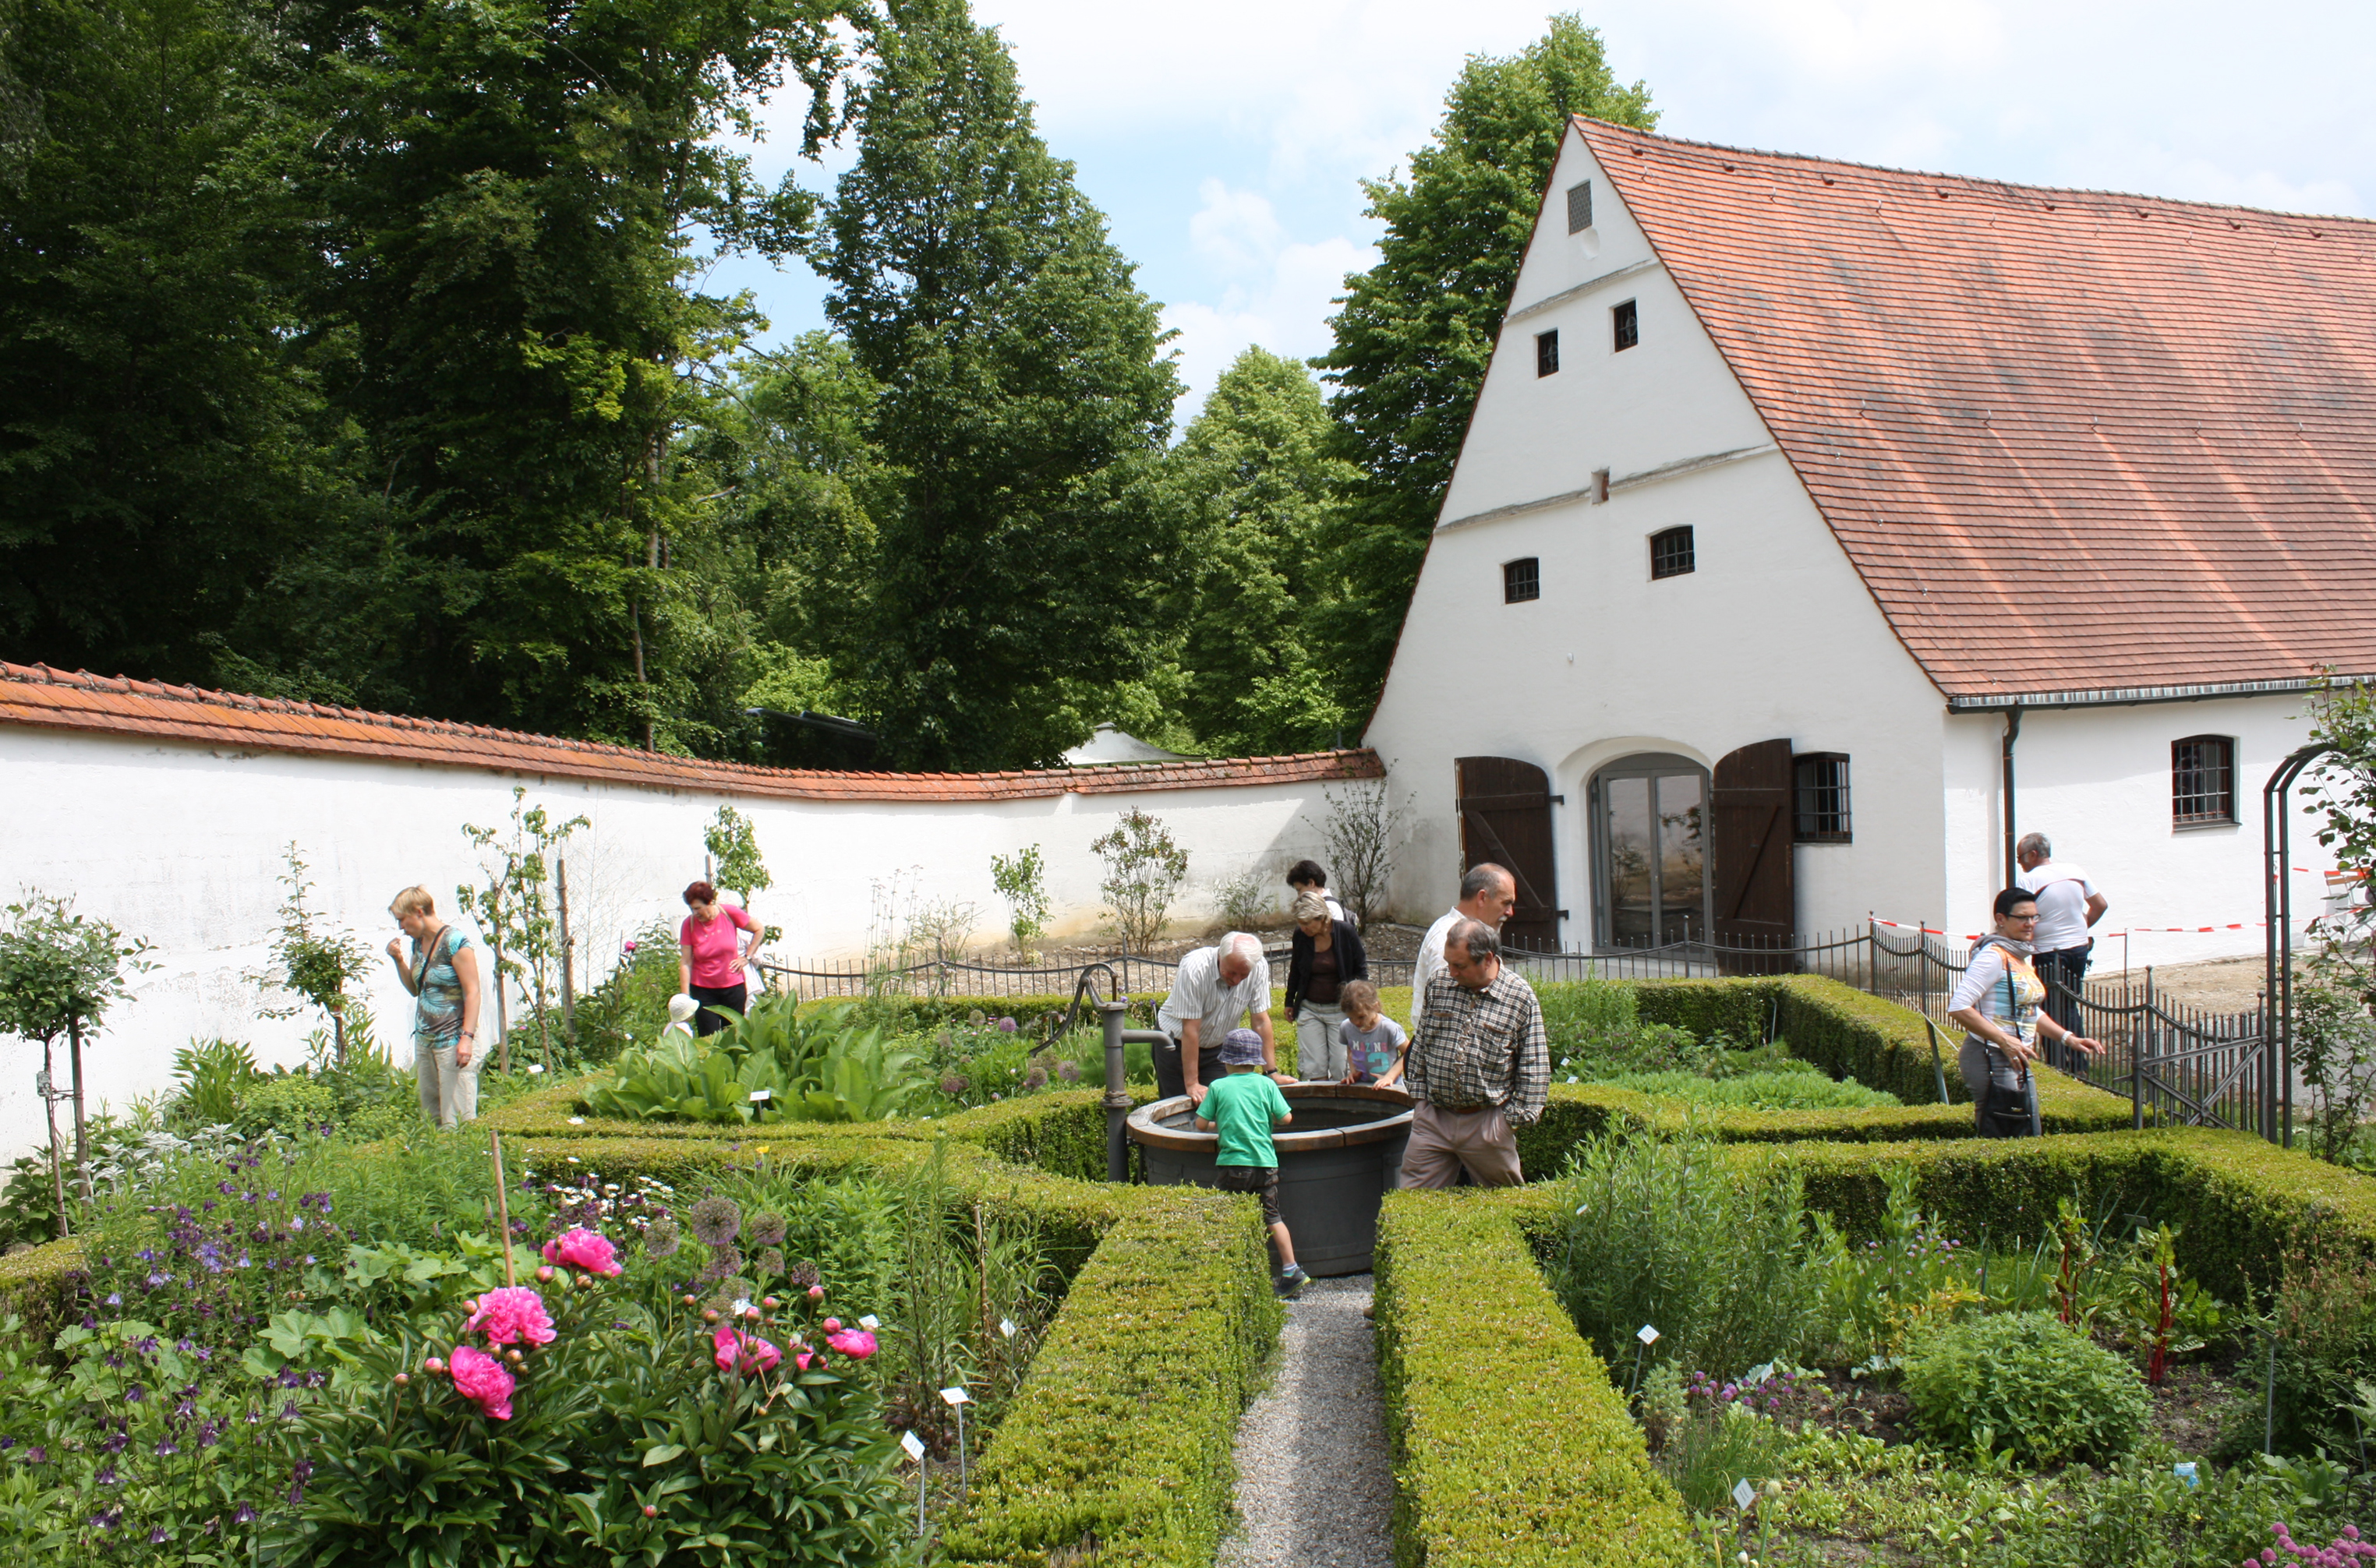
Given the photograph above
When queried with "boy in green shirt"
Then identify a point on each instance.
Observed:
(1244, 1108)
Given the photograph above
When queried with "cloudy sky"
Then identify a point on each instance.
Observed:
(1225, 139)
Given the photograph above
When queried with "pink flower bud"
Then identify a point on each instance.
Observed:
(434, 1364)
(545, 1274)
(651, 1512)
(709, 1314)
(817, 1292)
(403, 1379)
(769, 1302)
(832, 1326)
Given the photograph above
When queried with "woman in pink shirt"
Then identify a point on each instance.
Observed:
(710, 956)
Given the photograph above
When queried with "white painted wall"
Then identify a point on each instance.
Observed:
(182, 845)
(1772, 636)
(2096, 781)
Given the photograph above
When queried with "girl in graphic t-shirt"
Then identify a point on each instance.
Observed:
(1997, 1003)
(711, 953)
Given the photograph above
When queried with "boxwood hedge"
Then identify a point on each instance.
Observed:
(1511, 1446)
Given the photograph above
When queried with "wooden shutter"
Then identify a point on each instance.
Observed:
(1506, 817)
(1749, 856)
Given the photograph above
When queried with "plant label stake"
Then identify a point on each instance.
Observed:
(1006, 1326)
(958, 1400)
(502, 1203)
(1743, 1494)
(869, 1323)
(915, 1447)
(1648, 1336)
(2269, 1396)
(2185, 1470)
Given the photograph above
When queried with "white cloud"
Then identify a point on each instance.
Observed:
(1268, 289)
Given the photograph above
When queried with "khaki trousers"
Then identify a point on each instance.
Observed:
(1444, 1142)
(449, 1094)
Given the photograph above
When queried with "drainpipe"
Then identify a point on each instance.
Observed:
(2011, 733)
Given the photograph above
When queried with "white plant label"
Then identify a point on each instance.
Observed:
(761, 1096)
(1006, 1326)
(1743, 1494)
(957, 1396)
(1646, 1334)
(869, 1323)
(913, 1444)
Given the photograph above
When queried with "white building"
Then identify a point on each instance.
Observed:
(1820, 526)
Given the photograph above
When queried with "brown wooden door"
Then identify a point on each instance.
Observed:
(1506, 817)
(1749, 853)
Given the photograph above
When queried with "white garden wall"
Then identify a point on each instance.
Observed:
(182, 844)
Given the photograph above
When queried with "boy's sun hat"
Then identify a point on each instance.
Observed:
(1242, 1048)
(681, 1008)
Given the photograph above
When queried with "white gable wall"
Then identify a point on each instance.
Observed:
(1773, 636)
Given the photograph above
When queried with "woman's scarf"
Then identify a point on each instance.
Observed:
(2018, 949)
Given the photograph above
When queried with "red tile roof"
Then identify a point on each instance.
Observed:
(37, 695)
(2070, 440)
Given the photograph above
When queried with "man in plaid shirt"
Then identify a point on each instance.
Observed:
(1479, 1067)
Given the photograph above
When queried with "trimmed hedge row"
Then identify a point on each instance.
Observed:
(1510, 1444)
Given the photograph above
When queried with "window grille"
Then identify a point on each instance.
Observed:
(1822, 798)
(2203, 781)
(1672, 553)
(1522, 580)
(1627, 325)
(1547, 353)
(1579, 207)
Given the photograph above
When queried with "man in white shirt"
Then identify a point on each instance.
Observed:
(1215, 987)
(1487, 893)
(2067, 905)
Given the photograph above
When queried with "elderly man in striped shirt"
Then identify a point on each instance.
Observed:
(1479, 1067)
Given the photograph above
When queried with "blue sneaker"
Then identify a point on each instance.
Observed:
(1291, 1281)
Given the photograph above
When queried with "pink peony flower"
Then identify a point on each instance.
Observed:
(513, 1312)
(484, 1381)
(744, 1353)
(588, 1250)
(857, 1343)
(808, 1362)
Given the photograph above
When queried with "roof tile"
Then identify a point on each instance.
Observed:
(37, 695)
(1926, 364)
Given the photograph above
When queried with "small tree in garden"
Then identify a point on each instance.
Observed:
(59, 974)
(317, 966)
(1144, 872)
(1021, 880)
(514, 910)
(733, 848)
(2335, 997)
(1363, 829)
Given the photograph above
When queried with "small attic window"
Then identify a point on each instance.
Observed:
(1579, 207)
(1547, 353)
(1672, 553)
(1522, 580)
(1625, 327)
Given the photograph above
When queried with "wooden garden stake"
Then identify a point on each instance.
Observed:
(502, 1203)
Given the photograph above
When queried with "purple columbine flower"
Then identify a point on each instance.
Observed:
(246, 1515)
(114, 1299)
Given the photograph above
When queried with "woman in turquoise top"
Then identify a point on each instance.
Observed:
(442, 973)
(1997, 1003)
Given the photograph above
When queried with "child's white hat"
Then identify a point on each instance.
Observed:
(681, 1008)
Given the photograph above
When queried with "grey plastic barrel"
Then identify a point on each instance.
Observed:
(1335, 1161)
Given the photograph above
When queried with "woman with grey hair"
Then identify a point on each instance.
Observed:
(1325, 955)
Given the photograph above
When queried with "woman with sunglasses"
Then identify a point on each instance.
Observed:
(1997, 1003)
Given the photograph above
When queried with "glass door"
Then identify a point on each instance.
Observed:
(1650, 854)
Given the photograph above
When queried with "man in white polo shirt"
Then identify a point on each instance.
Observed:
(1487, 893)
(2067, 905)
(1215, 987)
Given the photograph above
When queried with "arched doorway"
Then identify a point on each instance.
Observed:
(1649, 851)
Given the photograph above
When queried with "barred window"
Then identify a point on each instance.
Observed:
(1671, 554)
(1823, 796)
(1547, 353)
(1522, 580)
(1579, 207)
(1626, 325)
(2202, 780)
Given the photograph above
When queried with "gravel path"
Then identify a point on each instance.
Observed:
(1313, 1487)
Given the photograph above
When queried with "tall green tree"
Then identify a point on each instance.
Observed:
(1024, 406)
(1254, 477)
(1418, 329)
(162, 440)
(518, 193)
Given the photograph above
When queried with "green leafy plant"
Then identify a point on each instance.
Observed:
(1021, 880)
(513, 911)
(1667, 1231)
(778, 1062)
(733, 846)
(213, 1075)
(1760, 1091)
(314, 964)
(2025, 1383)
(59, 974)
(1144, 870)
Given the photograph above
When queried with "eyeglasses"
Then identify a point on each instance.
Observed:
(2030, 919)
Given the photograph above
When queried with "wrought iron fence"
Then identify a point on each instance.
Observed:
(2185, 1065)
